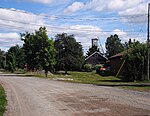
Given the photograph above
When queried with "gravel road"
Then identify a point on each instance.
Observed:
(28, 96)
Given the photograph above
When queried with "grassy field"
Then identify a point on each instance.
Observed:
(80, 77)
(93, 78)
(137, 88)
(3, 100)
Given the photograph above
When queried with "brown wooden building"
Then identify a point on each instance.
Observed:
(117, 62)
(96, 58)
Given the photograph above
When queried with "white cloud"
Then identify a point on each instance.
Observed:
(122, 4)
(74, 7)
(9, 36)
(45, 1)
(121, 7)
(20, 15)
(9, 39)
(119, 32)
(124, 36)
(83, 33)
(15, 21)
(136, 10)
(141, 9)
(15, 18)
(39, 1)
(101, 5)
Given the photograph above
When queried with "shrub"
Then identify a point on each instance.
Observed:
(97, 68)
(87, 67)
(136, 67)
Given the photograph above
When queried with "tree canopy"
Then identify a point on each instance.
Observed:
(136, 62)
(69, 52)
(2, 59)
(15, 58)
(113, 45)
(39, 50)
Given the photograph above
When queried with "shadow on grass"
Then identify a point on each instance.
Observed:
(112, 81)
(11, 74)
(125, 84)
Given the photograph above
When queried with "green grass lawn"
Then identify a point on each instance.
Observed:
(81, 77)
(137, 88)
(3, 101)
(93, 78)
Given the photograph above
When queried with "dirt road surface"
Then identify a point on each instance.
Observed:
(28, 96)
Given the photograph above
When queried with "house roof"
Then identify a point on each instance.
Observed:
(117, 55)
(120, 54)
(94, 54)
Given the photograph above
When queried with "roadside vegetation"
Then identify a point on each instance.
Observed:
(64, 53)
(78, 77)
(137, 88)
(96, 79)
(3, 101)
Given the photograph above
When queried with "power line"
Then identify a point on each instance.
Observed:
(89, 33)
(59, 27)
(77, 19)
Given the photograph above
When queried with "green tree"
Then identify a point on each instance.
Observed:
(39, 50)
(69, 53)
(131, 44)
(30, 49)
(92, 50)
(136, 62)
(2, 59)
(113, 45)
(15, 58)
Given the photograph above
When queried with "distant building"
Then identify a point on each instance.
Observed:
(95, 42)
(116, 61)
(96, 58)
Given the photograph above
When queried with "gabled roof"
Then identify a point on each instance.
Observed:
(120, 54)
(117, 55)
(94, 54)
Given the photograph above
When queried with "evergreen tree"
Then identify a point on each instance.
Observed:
(92, 50)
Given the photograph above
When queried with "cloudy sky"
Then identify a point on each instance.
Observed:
(86, 19)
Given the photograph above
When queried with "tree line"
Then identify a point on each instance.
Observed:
(41, 53)
(64, 53)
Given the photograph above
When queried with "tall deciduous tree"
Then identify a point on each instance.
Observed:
(2, 59)
(15, 58)
(131, 44)
(113, 45)
(39, 50)
(69, 52)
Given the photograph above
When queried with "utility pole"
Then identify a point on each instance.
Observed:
(148, 43)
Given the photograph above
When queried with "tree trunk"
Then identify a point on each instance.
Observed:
(66, 71)
(46, 72)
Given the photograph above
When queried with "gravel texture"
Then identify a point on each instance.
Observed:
(29, 96)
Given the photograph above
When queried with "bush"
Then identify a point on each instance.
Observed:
(87, 67)
(136, 63)
(97, 68)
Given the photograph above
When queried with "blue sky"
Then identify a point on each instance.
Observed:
(86, 19)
